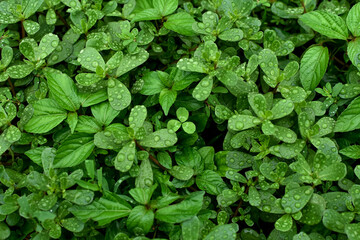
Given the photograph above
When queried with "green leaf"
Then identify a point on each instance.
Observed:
(47, 45)
(47, 115)
(254, 196)
(147, 14)
(192, 65)
(284, 11)
(239, 160)
(223, 112)
(164, 159)
(114, 61)
(282, 133)
(61, 52)
(301, 236)
(334, 221)
(334, 172)
(203, 89)
(190, 229)
(349, 119)
(152, 83)
(237, 9)
(211, 182)
(167, 98)
(126, 157)
(351, 151)
(232, 35)
(51, 17)
(294, 93)
(73, 4)
(301, 166)
(119, 95)
(325, 126)
(166, 7)
(353, 52)
(159, 139)
(31, 27)
(90, 99)
(62, 89)
(137, 117)
(284, 223)
(72, 120)
(269, 64)
(31, 7)
(7, 13)
(350, 90)
(226, 232)
(352, 20)
(258, 103)
(313, 66)
(242, 122)
(129, 62)
(48, 201)
(282, 108)
(140, 220)
(326, 23)
(104, 113)
(79, 197)
(6, 56)
(296, 199)
(288, 150)
(182, 114)
(189, 127)
(181, 23)
(90, 59)
(182, 211)
(4, 229)
(103, 211)
(19, 71)
(74, 150)
(73, 224)
(35, 155)
(145, 177)
(312, 213)
(274, 172)
(87, 79)
(183, 173)
(12, 134)
(7, 209)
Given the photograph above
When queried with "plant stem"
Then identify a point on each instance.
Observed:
(11, 87)
(62, 19)
(240, 202)
(152, 158)
(22, 29)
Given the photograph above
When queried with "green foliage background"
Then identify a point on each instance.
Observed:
(174, 119)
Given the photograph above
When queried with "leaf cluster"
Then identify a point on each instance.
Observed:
(181, 120)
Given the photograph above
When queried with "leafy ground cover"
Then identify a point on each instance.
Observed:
(174, 119)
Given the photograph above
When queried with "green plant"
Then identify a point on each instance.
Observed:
(174, 119)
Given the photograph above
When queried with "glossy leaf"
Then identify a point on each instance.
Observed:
(62, 89)
(129, 62)
(313, 66)
(159, 139)
(326, 23)
(242, 122)
(47, 115)
(182, 211)
(348, 119)
(90, 59)
(296, 199)
(74, 150)
(352, 20)
(119, 95)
